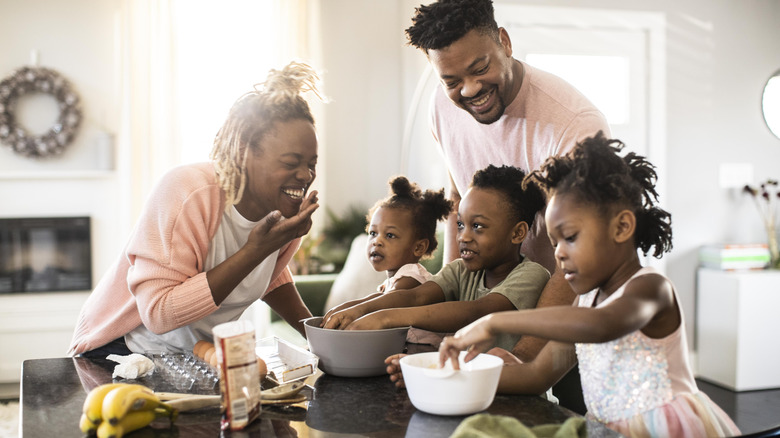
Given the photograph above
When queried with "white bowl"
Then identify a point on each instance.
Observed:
(448, 392)
(353, 353)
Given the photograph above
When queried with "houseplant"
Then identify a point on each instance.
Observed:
(765, 196)
(325, 251)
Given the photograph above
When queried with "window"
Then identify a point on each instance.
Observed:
(221, 50)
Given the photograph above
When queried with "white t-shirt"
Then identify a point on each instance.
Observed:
(232, 234)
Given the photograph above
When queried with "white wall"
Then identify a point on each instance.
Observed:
(719, 55)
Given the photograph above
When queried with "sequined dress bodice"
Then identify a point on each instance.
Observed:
(635, 373)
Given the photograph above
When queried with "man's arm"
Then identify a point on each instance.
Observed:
(451, 227)
(557, 292)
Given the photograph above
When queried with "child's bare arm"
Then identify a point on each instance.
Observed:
(439, 317)
(647, 305)
(517, 377)
(350, 303)
(403, 283)
(400, 284)
(424, 294)
(556, 292)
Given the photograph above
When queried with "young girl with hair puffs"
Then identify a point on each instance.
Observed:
(216, 236)
(491, 275)
(402, 231)
(626, 325)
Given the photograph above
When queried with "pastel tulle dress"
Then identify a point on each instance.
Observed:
(644, 387)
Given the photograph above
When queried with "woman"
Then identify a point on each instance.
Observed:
(214, 237)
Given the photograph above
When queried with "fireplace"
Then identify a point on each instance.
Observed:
(48, 254)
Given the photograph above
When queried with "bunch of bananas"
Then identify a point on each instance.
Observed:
(114, 409)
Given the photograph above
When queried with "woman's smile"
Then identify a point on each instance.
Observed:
(280, 170)
(296, 194)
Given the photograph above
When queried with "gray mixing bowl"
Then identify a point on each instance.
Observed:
(353, 353)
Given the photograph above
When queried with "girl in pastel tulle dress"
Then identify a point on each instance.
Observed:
(626, 327)
(402, 231)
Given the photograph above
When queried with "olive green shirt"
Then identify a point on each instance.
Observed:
(522, 287)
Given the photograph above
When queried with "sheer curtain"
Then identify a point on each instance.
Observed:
(182, 65)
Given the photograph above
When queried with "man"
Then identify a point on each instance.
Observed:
(494, 109)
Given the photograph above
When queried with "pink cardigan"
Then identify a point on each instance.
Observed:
(158, 280)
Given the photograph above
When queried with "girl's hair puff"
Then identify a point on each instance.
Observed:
(598, 175)
(426, 207)
(524, 201)
(253, 115)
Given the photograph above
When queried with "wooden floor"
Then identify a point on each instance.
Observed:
(752, 411)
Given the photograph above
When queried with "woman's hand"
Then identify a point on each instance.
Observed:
(269, 235)
(275, 231)
(476, 338)
(394, 369)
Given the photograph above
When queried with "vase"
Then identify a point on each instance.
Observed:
(774, 250)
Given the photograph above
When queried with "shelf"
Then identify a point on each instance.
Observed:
(60, 174)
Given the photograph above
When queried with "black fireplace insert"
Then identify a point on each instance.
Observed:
(45, 254)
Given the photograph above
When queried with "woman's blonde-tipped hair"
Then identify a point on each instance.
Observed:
(278, 99)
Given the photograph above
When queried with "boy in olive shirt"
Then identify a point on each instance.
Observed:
(491, 274)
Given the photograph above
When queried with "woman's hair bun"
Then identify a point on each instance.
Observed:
(294, 79)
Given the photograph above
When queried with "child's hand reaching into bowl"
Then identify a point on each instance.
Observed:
(475, 338)
(341, 319)
(394, 369)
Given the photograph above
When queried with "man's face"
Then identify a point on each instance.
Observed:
(477, 74)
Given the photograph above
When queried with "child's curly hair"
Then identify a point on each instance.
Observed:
(598, 175)
(438, 25)
(253, 115)
(427, 208)
(524, 201)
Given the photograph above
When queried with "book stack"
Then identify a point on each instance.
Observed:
(735, 256)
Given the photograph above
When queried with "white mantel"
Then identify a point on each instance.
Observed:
(34, 326)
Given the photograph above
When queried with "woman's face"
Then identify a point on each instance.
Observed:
(392, 241)
(281, 171)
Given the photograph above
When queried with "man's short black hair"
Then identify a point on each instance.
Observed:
(438, 25)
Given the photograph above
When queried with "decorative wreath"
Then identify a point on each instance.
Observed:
(44, 80)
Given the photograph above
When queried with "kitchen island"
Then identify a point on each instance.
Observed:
(53, 392)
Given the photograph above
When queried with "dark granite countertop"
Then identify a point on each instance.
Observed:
(53, 392)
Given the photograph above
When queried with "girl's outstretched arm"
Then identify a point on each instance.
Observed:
(445, 317)
(535, 377)
(426, 293)
(401, 283)
(348, 304)
(647, 304)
